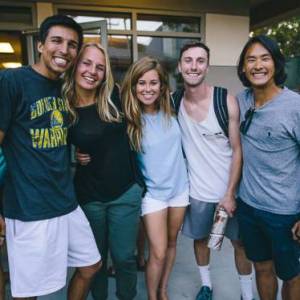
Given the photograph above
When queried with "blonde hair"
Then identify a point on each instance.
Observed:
(107, 111)
(132, 107)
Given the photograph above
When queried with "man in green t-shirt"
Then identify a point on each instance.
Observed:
(46, 231)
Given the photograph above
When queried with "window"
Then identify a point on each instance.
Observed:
(115, 21)
(166, 50)
(163, 36)
(167, 23)
(120, 53)
(15, 14)
(132, 35)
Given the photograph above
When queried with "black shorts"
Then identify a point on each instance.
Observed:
(268, 236)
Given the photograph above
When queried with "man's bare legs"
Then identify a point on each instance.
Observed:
(266, 280)
(291, 289)
(244, 269)
(243, 265)
(175, 219)
(202, 252)
(80, 282)
(202, 255)
(267, 284)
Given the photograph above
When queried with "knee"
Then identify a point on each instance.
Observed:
(264, 267)
(172, 238)
(200, 244)
(238, 247)
(293, 281)
(123, 259)
(158, 255)
(90, 271)
(172, 243)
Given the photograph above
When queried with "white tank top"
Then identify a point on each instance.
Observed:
(208, 154)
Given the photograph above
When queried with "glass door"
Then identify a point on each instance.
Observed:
(95, 32)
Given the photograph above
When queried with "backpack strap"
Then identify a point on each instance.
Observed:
(176, 98)
(221, 109)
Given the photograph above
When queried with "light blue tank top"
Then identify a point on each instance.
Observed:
(161, 160)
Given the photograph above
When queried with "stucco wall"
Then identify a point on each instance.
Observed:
(226, 77)
(226, 36)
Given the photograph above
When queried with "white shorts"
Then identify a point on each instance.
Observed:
(39, 252)
(150, 205)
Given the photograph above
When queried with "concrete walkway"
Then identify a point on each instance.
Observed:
(185, 283)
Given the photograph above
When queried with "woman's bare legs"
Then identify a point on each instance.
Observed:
(175, 219)
(156, 230)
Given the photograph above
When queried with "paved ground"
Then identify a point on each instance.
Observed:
(185, 282)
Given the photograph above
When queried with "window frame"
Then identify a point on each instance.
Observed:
(16, 26)
(133, 32)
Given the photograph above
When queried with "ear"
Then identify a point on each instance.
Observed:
(40, 47)
(179, 67)
(208, 68)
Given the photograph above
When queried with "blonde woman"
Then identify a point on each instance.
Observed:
(154, 133)
(105, 180)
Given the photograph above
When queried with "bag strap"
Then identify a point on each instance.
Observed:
(220, 105)
(176, 98)
(221, 109)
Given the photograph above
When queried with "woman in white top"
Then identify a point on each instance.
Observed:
(154, 133)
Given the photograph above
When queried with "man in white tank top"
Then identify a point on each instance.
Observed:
(214, 165)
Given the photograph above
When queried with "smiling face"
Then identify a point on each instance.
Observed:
(148, 90)
(193, 66)
(90, 70)
(259, 66)
(58, 51)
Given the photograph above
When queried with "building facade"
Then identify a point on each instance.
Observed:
(132, 29)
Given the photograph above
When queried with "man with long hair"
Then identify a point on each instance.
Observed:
(269, 194)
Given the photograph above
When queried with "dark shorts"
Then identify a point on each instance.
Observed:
(268, 236)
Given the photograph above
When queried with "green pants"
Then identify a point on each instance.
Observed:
(115, 226)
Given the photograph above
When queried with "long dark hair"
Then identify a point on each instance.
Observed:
(277, 56)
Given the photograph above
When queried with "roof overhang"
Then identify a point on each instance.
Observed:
(265, 12)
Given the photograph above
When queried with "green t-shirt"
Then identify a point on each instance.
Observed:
(33, 117)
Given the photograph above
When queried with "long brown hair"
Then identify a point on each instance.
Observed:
(107, 111)
(132, 107)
